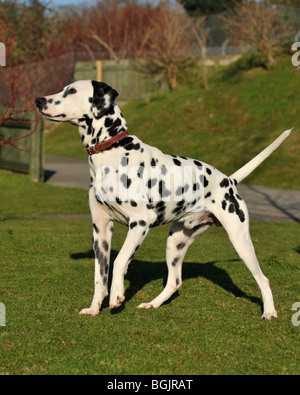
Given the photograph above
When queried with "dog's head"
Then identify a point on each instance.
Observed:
(77, 99)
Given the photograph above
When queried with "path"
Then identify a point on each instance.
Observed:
(264, 204)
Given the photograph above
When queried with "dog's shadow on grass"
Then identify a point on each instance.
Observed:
(140, 273)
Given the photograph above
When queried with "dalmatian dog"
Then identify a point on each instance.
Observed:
(141, 187)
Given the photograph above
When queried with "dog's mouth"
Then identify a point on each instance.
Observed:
(46, 115)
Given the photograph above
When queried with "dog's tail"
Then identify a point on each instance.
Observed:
(244, 171)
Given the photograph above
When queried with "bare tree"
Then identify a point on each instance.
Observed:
(169, 41)
(201, 33)
(15, 102)
(116, 28)
(256, 24)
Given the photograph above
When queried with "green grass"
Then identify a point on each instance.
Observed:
(20, 197)
(241, 114)
(211, 326)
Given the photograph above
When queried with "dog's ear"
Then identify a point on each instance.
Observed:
(103, 98)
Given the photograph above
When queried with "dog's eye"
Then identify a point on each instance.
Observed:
(71, 91)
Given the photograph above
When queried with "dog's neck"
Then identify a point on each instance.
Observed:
(95, 131)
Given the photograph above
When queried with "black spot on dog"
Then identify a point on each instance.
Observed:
(204, 180)
(160, 219)
(196, 187)
(98, 253)
(160, 207)
(96, 228)
(179, 207)
(141, 170)
(105, 245)
(234, 206)
(179, 191)
(224, 183)
(70, 91)
(152, 183)
(164, 170)
(108, 122)
(177, 162)
(125, 181)
(124, 161)
(175, 260)
(197, 163)
(162, 189)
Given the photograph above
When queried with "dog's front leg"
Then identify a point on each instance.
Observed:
(102, 234)
(138, 230)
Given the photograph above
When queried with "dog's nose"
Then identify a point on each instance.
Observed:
(40, 102)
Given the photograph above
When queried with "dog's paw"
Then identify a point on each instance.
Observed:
(117, 297)
(145, 306)
(116, 302)
(90, 311)
(269, 316)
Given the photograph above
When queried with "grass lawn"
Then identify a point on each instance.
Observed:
(240, 115)
(211, 326)
(20, 197)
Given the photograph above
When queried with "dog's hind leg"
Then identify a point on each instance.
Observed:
(179, 240)
(102, 234)
(237, 228)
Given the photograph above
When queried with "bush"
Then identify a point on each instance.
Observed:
(249, 61)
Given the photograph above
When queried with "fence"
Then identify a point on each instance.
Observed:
(129, 77)
(36, 80)
(28, 160)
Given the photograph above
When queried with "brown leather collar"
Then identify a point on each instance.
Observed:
(100, 147)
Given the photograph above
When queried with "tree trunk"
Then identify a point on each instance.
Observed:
(271, 60)
(204, 68)
(172, 76)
